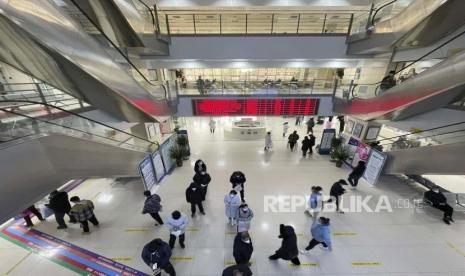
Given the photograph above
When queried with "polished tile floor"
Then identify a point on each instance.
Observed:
(406, 241)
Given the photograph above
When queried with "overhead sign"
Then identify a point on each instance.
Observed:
(257, 107)
(374, 167)
(147, 173)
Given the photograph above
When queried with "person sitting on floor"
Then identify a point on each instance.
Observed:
(439, 201)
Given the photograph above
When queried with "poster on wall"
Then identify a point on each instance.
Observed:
(349, 126)
(165, 153)
(158, 165)
(147, 173)
(361, 154)
(372, 132)
(374, 167)
(357, 130)
(326, 138)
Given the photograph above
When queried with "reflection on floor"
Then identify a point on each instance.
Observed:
(406, 241)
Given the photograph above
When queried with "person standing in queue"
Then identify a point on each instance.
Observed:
(244, 217)
(59, 203)
(203, 179)
(243, 248)
(177, 224)
(152, 206)
(336, 192)
(288, 250)
(321, 234)
(83, 211)
(305, 146)
(194, 196)
(356, 174)
(200, 166)
(156, 254)
(293, 138)
(237, 270)
(237, 180)
(232, 201)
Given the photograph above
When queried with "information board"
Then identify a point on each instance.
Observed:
(326, 138)
(165, 153)
(158, 165)
(250, 107)
(374, 167)
(147, 173)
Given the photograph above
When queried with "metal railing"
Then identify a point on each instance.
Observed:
(260, 23)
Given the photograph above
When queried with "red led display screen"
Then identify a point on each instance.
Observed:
(255, 107)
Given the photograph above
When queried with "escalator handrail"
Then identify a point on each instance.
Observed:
(418, 59)
(422, 131)
(83, 117)
(429, 136)
(151, 13)
(380, 8)
(116, 46)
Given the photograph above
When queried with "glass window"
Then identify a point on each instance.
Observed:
(337, 23)
(233, 24)
(259, 23)
(311, 23)
(181, 23)
(285, 23)
(207, 23)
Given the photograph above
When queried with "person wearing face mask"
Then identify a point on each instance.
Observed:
(315, 202)
(177, 223)
(156, 254)
(437, 199)
(200, 166)
(232, 201)
(288, 250)
(244, 217)
(243, 248)
(237, 180)
(194, 196)
(321, 234)
(202, 178)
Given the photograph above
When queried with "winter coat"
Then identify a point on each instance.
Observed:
(194, 193)
(288, 249)
(435, 198)
(242, 251)
(231, 205)
(243, 220)
(337, 189)
(59, 202)
(200, 167)
(268, 141)
(305, 144)
(293, 138)
(156, 252)
(358, 171)
(285, 128)
(82, 210)
(321, 233)
(203, 179)
(177, 224)
(311, 123)
(312, 141)
(152, 204)
(237, 178)
(212, 124)
(229, 271)
(315, 201)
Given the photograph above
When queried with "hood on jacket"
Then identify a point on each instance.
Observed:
(287, 231)
(155, 245)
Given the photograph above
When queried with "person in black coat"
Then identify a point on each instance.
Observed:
(305, 146)
(194, 196)
(312, 142)
(336, 191)
(200, 166)
(293, 138)
(356, 173)
(288, 250)
(238, 178)
(341, 123)
(203, 179)
(156, 254)
(237, 270)
(59, 203)
(439, 201)
(243, 248)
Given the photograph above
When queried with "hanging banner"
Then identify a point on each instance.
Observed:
(147, 173)
(326, 138)
(374, 166)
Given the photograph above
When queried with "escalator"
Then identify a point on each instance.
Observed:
(40, 39)
(56, 148)
(434, 151)
(419, 24)
(433, 88)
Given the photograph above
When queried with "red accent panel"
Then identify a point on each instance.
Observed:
(257, 107)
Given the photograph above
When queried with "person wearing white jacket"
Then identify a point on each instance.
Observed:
(232, 201)
(177, 224)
